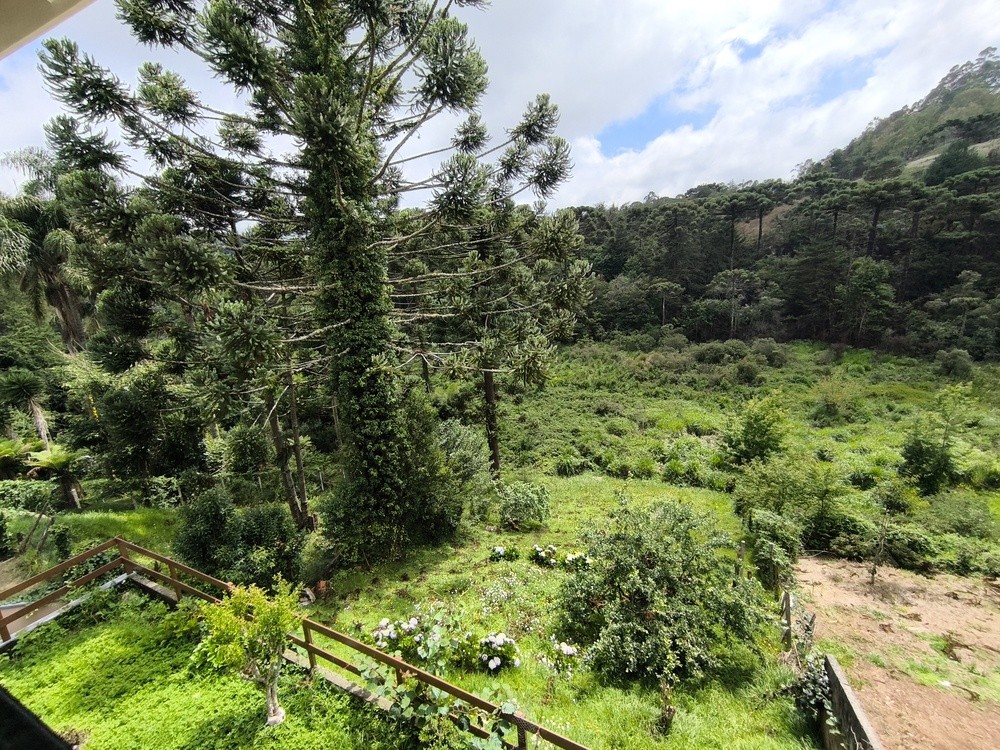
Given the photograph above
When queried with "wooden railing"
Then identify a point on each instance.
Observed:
(131, 559)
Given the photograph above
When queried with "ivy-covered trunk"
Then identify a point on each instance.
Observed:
(341, 157)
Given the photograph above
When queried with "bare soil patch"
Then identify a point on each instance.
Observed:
(923, 654)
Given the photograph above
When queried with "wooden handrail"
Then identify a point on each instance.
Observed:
(310, 627)
(187, 570)
(48, 575)
(59, 592)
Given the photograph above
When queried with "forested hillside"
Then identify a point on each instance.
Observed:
(859, 249)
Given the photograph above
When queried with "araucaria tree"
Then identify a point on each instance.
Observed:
(313, 169)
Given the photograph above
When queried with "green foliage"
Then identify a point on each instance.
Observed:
(27, 494)
(128, 683)
(247, 450)
(504, 554)
(659, 599)
(523, 505)
(6, 542)
(811, 690)
(435, 486)
(61, 540)
(777, 545)
(208, 536)
(897, 496)
(688, 460)
(956, 159)
(544, 557)
(252, 545)
(959, 512)
(756, 433)
(927, 460)
(247, 632)
(954, 363)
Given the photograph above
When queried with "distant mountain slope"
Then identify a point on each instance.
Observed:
(965, 105)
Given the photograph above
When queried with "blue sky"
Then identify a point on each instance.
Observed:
(655, 95)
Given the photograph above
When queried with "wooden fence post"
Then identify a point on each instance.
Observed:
(123, 554)
(173, 578)
(307, 636)
(4, 631)
(786, 618)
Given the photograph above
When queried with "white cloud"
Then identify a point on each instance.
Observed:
(606, 63)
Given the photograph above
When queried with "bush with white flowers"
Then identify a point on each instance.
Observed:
(424, 638)
(544, 556)
(495, 652)
(560, 656)
(499, 554)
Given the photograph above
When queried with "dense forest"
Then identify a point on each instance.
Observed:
(889, 242)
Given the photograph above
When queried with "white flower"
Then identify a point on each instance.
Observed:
(494, 663)
(517, 662)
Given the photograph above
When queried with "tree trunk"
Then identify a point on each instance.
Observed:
(40, 422)
(275, 713)
(66, 304)
(282, 454)
(873, 230)
(760, 228)
(293, 420)
(492, 431)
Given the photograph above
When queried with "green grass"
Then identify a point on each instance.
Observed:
(123, 689)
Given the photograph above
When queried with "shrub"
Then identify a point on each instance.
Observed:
(61, 540)
(927, 460)
(954, 363)
(777, 544)
(747, 372)
(960, 513)
(497, 652)
(269, 546)
(735, 349)
(546, 557)
(897, 496)
(577, 561)
(909, 546)
(428, 639)
(774, 353)
(208, 536)
(659, 599)
(6, 543)
(756, 433)
(26, 494)
(712, 353)
(688, 461)
(570, 463)
(508, 554)
(250, 546)
(467, 458)
(560, 657)
(523, 505)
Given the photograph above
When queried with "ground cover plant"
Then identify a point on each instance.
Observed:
(121, 676)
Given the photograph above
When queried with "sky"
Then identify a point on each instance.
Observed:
(656, 96)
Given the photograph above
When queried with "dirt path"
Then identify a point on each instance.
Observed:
(922, 653)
